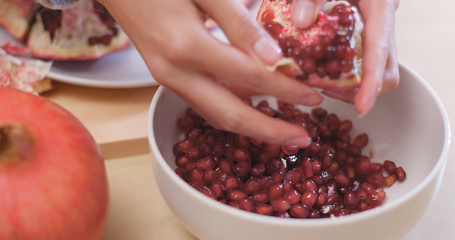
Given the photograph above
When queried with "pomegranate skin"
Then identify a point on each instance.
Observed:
(59, 189)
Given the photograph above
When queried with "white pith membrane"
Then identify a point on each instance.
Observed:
(15, 15)
(23, 73)
(348, 80)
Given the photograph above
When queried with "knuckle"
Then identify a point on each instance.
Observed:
(247, 30)
(179, 50)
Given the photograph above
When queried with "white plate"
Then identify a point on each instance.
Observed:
(123, 69)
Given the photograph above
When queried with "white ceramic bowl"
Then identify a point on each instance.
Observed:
(409, 126)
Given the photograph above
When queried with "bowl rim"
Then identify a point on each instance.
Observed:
(294, 222)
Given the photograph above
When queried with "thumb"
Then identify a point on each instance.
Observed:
(305, 12)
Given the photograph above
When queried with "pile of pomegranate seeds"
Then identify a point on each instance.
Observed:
(329, 178)
(324, 48)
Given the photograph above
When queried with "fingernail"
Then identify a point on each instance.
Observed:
(302, 13)
(267, 50)
(301, 142)
(311, 100)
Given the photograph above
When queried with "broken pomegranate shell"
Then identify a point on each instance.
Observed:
(14, 17)
(326, 55)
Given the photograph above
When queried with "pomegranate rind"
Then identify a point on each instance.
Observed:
(347, 81)
(15, 16)
(71, 40)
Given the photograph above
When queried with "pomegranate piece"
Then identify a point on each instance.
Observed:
(85, 31)
(331, 177)
(326, 55)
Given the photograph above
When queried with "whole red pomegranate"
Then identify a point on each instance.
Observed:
(53, 181)
(326, 55)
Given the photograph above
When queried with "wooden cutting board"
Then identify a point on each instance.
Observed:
(117, 118)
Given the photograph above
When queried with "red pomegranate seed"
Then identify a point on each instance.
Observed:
(264, 209)
(314, 213)
(276, 190)
(186, 144)
(401, 174)
(389, 167)
(232, 182)
(345, 126)
(209, 175)
(186, 123)
(236, 194)
(293, 176)
(360, 140)
(322, 199)
(290, 149)
(309, 198)
(181, 161)
(260, 197)
(207, 191)
(247, 205)
(280, 204)
(226, 166)
(331, 177)
(252, 185)
(299, 211)
(241, 169)
(376, 167)
(217, 188)
(362, 194)
(376, 179)
(350, 172)
(351, 200)
(293, 196)
(283, 215)
(258, 170)
(353, 150)
(363, 166)
(342, 180)
(241, 154)
(206, 162)
(196, 175)
(377, 197)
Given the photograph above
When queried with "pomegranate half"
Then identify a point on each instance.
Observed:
(84, 31)
(53, 181)
(326, 55)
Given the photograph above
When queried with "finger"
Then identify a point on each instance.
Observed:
(376, 53)
(305, 12)
(239, 70)
(243, 71)
(345, 96)
(227, 112)
(242, 30)
(391, 73)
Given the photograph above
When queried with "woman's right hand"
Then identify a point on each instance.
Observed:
(209, 75)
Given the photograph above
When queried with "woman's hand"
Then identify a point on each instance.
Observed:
(209, 75)
(380, 65)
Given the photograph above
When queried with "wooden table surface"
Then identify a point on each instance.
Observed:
(117, 118)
